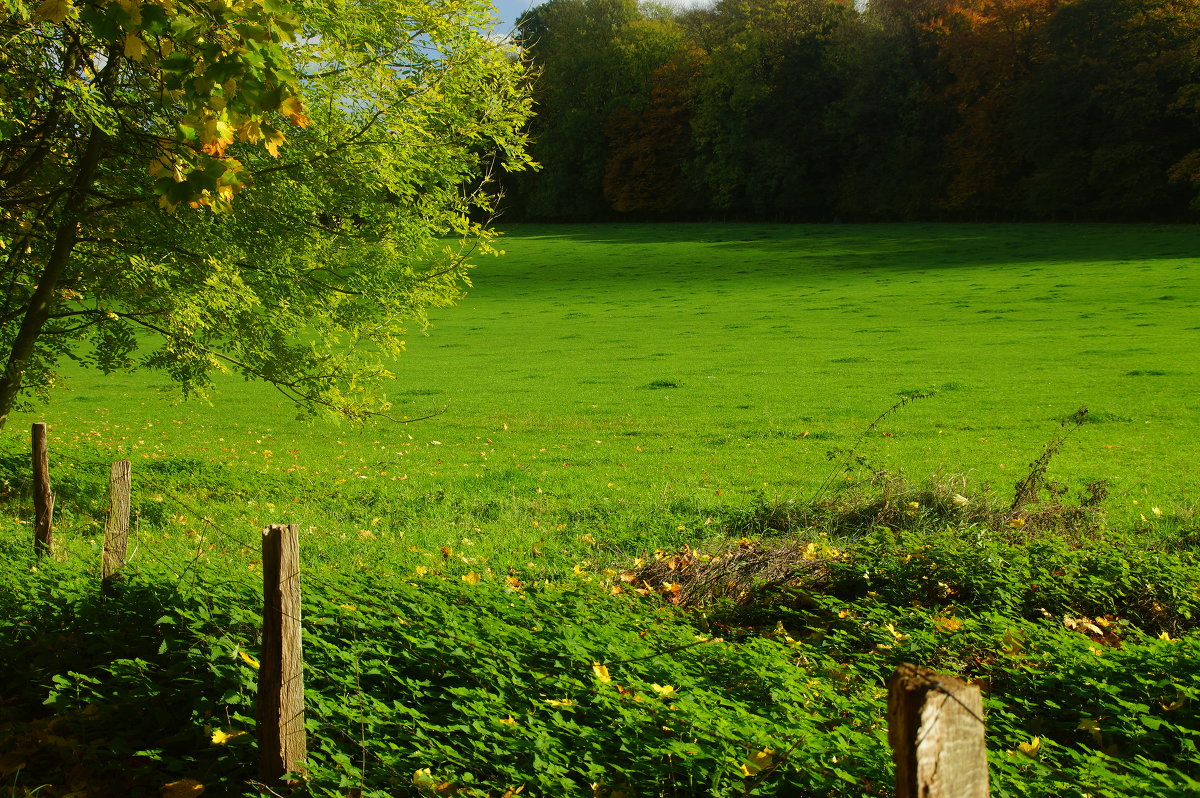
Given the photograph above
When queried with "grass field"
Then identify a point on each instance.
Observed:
(604, 396)
(631, 380)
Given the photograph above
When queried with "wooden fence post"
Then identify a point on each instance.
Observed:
(43, 499)
(936, 730)
(116, 526)
(282, 746)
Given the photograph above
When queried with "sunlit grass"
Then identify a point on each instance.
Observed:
(644, 385)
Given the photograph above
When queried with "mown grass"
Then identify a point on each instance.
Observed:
(616, 393)
(783, 343)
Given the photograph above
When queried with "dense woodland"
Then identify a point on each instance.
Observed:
(798, 110)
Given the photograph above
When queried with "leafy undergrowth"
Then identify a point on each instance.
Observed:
(749, 667)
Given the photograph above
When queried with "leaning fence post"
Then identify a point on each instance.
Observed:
(280, 704)
(936, 730)
(116, 526)
(43, 499)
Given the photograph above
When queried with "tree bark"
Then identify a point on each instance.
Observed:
(42, 302)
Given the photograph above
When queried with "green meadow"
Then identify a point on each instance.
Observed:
(609, 398)
(631, 380)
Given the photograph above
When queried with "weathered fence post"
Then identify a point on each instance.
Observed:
(43, 499)
(280, 705)
(936, 730)
(116, 526)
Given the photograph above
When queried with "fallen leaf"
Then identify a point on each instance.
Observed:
(222, 737)
(184, 788)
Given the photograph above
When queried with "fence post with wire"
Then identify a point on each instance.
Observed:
(280, 702)
(936, 731)
(116, 525)
(43, 499)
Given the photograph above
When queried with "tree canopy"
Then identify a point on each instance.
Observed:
(890, 109)
(275, 188)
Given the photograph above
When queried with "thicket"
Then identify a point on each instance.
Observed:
(671, 674)
(899, 109)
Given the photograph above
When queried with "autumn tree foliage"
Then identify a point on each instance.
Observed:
(260, 186)
(988, 48)
(650, 148)
(892, 109)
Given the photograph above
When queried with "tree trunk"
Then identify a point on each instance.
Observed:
(42, 302)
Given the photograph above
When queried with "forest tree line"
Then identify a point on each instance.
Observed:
(798, 110)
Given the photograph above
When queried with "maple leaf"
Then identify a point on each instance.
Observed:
(601, 672)
(250, 131)
(273, 141)
(293, 108)
(215, 136)
(135, 48)
(471, 578)
(52, 11)
(947, 624)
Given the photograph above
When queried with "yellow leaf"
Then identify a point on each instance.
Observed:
(471, 578)
(216, 135)
(947, 624)
(249, 660)
(184, 788)
(272, 142)
(222, 737)
(1176, 704)
(759, 762)
(563, 702)
(1014, 642)
(133, 8)
(601, 672)
(663, 689)
(293, 108)
(251, 131)
(507, 721)
(420, 570)
(52, 11)
(134, 47)
(1031, 748)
